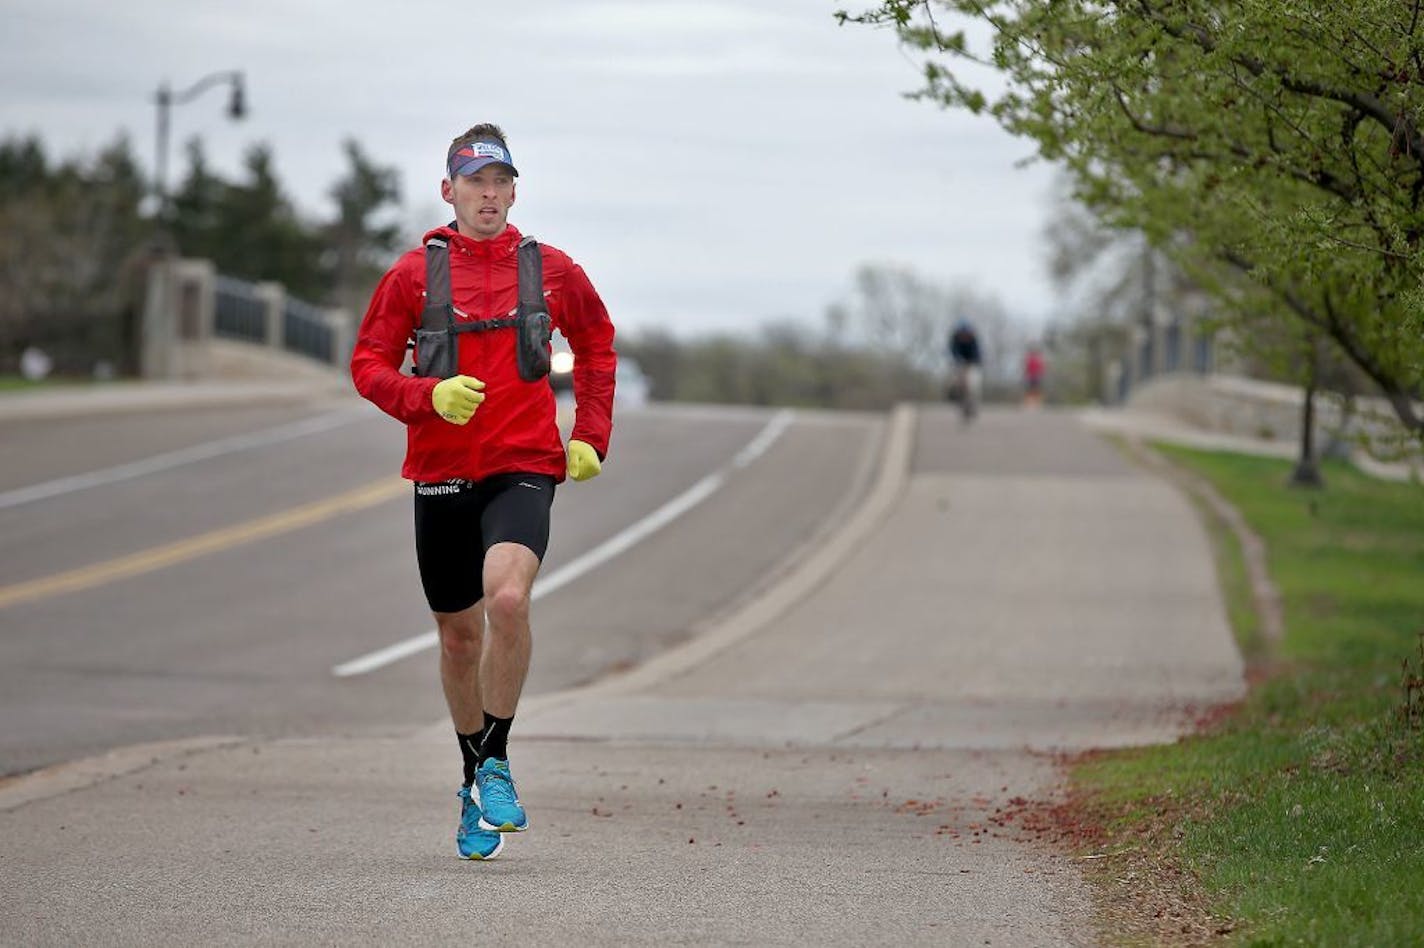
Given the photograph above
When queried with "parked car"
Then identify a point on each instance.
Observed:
(630, 384)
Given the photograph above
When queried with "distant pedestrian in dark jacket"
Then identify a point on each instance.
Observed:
(965, 359)
(964, 344)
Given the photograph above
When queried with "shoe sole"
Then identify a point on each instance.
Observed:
(476, 857)
(503, 827)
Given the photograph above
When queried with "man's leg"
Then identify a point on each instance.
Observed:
(515, 529)
(461, 639)
(509, 574)
(446, 515)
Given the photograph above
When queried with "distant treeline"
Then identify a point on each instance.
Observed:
(885, 341)
(784, 364)
(76, 236)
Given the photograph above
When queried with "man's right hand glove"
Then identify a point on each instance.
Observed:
(456, 398)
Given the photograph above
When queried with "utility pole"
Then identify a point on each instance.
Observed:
(166, 98)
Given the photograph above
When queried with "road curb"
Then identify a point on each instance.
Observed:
(1265, 597)
(89, 401)
(1149, 427)
(798, 583)
(85, 772)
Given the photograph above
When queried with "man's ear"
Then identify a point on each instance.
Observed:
(513, 192)
(447, 191)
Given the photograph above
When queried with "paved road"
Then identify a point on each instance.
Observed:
(837, 760)
(240, 639)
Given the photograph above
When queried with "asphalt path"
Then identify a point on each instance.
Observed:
(202, 572)
(854, 754)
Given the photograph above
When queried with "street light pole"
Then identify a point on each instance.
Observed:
(166, 98)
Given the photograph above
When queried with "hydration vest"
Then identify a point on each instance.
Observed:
(437, 348)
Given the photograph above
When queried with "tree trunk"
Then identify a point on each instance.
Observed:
(1307, 471)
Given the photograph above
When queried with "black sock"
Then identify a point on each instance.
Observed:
(494, 739)
(470, 751)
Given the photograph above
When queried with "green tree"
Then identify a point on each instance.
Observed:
(74, 245)
(197, 224)
(785, 363)
(1275, 150)
(358, 245)
(24, 168)
(264, 238)
(252, 230)
(71, 242)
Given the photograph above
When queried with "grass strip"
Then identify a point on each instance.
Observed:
(16, 383)
(1296, 817)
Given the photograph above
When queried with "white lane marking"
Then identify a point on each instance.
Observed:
(172, 459)
(618, 543)
(388, 655)
(758, 445)
(566, 574)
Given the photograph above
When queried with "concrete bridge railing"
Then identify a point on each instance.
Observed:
(198, 323)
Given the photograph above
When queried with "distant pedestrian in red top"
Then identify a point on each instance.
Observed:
(483, 446)
(1033, 377)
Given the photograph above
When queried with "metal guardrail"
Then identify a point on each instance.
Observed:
(305, 330)
(189, 305)
(239, 313)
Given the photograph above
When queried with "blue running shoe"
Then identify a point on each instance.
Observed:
(471, 841)
(497, 798)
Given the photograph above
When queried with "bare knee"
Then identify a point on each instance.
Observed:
(508, 607)
(460, 635)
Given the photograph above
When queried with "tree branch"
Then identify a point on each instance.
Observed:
(1418, 58)
(1319, 147)
(1393, 254)
(1160, 131)
(1329, 323)
(1316, 177)
(1400, 126)
(1347, 138)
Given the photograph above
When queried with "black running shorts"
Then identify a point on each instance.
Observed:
(456, 522)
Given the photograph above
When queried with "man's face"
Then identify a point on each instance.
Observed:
(481, 200)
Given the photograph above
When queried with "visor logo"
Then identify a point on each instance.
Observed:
(483, 150)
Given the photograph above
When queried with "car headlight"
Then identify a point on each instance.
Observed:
(561, 363)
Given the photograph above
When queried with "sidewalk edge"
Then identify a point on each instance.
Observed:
(139, 399)
(794, 587)
(85, 772)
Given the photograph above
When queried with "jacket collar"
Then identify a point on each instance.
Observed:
(502, 245)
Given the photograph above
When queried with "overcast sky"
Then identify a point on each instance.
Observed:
(711, 163)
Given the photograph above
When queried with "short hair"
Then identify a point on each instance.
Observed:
(483, 132)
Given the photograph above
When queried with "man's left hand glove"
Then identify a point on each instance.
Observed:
(583, 461)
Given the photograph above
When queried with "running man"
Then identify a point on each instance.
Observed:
(483, 446)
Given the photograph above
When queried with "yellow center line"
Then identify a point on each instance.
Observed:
(146, 561)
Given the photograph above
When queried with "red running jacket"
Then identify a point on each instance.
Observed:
(514, 429)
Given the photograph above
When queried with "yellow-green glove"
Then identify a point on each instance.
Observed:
(583, 461)
(456, 398)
